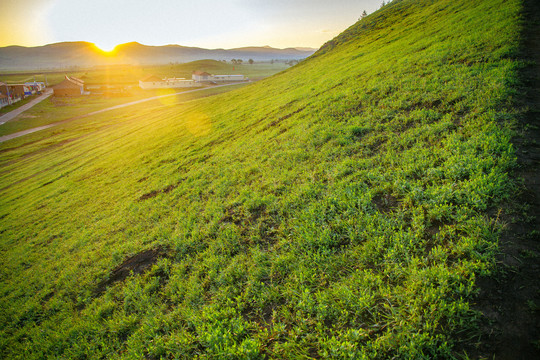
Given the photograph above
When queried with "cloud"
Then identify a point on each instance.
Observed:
(24, 22)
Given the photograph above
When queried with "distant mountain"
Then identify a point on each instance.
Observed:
(84, 54)
(306, 49)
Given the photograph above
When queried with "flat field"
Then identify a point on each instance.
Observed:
(58, 109)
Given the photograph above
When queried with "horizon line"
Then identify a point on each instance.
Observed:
(136, 42)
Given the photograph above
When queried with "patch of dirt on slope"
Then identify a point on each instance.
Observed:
(136, 264)
(155, 193)
(385, 203)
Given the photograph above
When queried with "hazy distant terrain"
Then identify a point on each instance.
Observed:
(83, 54)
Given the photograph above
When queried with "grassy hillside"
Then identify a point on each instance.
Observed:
(341, 209)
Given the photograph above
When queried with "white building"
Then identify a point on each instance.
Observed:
(153, 82)
(229, 78)
(181, 83)
(203, 76)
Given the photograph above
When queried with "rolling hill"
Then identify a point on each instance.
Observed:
(84, 54)
(349, 207)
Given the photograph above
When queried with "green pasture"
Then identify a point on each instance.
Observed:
(16, 105)
(55, 109)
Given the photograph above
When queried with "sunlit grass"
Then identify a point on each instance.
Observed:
(341, 209)
(53, 110)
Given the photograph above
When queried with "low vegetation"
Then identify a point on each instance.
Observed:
(58, 109)
(341, 209)
(16, 105)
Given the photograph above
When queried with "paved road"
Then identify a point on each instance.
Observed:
(12, 114)
(33, 130)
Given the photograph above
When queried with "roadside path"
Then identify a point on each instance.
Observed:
(12, 114)
(33, 130)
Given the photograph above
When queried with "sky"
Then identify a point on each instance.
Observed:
(202, 23)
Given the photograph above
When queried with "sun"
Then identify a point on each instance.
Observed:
(108, 48)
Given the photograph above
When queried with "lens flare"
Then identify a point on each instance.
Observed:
(198, 123)
(169, 99)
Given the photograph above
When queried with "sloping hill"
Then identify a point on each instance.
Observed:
(344, 208)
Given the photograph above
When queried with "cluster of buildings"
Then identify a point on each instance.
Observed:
(11, 93)
(154, 82)
(198, 79)
(203, 76)
(72, 86)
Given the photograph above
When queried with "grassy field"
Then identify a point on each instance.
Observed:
(58, 109)
(342, 209)
(55, 109)
(17, 105)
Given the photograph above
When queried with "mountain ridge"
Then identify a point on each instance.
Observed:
(85, 54)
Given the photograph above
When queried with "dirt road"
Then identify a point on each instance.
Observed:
(12, 114)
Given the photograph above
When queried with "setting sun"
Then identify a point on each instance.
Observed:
(105, 47)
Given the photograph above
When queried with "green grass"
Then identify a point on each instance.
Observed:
(16, 105)
(339, 209)
(55, 109)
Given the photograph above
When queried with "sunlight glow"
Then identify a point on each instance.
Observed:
(198, 124)
(106, 48)
(15, 17)
(169, 99)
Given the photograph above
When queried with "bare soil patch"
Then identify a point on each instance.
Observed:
(385, 203)
(155, 193)
(133, 265)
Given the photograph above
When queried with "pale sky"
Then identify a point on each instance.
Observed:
(203, 23)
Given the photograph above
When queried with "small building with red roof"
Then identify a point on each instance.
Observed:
(70, 86)
(201, 76)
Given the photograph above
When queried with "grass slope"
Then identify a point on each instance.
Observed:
(341, 209)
